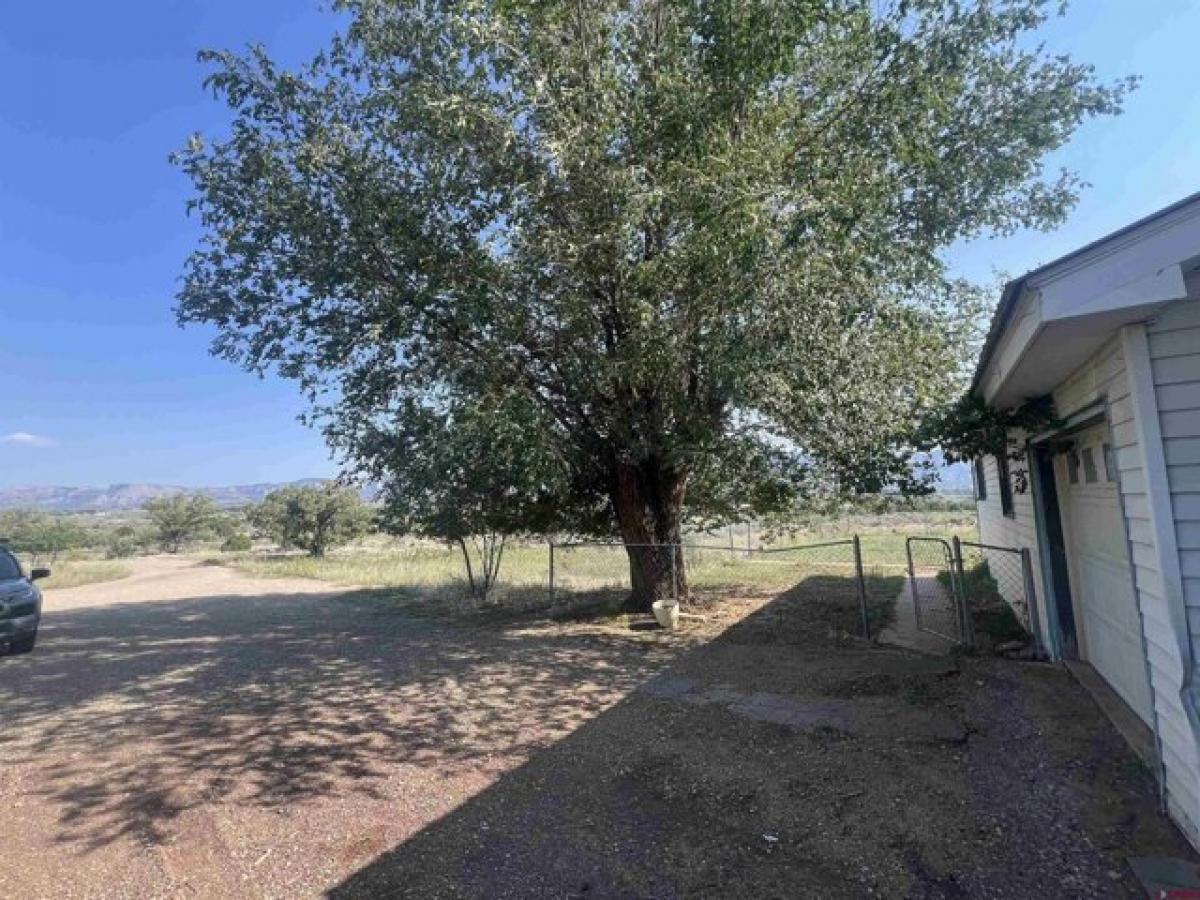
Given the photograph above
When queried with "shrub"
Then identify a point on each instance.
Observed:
(179, 519)
(312, 518)
(238, 542)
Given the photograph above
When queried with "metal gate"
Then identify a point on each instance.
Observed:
(990, 576)
(934, 585)
(953, 581)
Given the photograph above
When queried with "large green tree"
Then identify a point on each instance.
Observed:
(698, 239)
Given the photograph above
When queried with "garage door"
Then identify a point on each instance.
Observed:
(1101, 574)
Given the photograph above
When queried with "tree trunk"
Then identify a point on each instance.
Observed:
(462, 543)
(648, 499)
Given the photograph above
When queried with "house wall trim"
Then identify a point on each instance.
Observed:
(1135, 347)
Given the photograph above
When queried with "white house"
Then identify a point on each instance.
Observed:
(1111, 509)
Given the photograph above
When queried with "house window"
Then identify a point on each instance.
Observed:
(980, 480)
(1110, 463)
(1089, 466)
(1073, 467)
(1006, 498)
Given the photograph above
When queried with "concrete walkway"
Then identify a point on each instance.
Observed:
(903, 632)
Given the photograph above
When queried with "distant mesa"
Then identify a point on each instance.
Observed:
(954, 479)
(117, 497)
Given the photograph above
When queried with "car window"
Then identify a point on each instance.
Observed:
(9, 567)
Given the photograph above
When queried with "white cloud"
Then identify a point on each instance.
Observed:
(25, 439)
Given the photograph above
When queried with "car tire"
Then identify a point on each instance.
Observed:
(22, 644)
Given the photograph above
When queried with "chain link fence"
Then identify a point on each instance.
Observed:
(997, 585)
(933, 587)
(963, 589)
(708, 572)
(955, 587)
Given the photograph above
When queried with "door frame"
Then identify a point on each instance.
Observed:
(1062, 636)
(1048, 521)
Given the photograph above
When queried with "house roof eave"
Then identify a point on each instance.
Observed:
(1011, 295)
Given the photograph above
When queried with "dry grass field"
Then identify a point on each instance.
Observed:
(428, 573)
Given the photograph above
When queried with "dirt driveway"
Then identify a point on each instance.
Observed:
(190, 731)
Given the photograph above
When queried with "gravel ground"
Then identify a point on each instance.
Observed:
(190, 731)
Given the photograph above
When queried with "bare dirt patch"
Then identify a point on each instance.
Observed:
(190, 731)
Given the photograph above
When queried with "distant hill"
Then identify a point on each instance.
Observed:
(119, 497)
(954, 479)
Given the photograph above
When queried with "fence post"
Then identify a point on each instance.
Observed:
(958, 585)
(551, 571)
(1035, 624)
(912, 582)
(861, 582)
(674, 574)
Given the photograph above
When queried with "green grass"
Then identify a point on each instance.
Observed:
(991, 614)
(74, 573)
(992, 617)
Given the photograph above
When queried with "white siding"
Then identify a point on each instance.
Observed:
(1174, 345)
(1174, 339)
(1018, 530)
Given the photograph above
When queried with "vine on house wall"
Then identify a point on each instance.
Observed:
(971, 429)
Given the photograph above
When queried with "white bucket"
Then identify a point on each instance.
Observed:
(666, 613)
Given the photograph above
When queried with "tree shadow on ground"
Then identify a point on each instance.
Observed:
(769, 753)
(148, 709)
(787, 758)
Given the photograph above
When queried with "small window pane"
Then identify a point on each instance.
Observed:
(1110, 463)
(980, 480)
(1006, 497)
(1089, 466)
(1073, 467)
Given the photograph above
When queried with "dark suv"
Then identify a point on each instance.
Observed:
(20, 604)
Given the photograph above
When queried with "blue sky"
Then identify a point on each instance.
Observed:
(98, 385)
